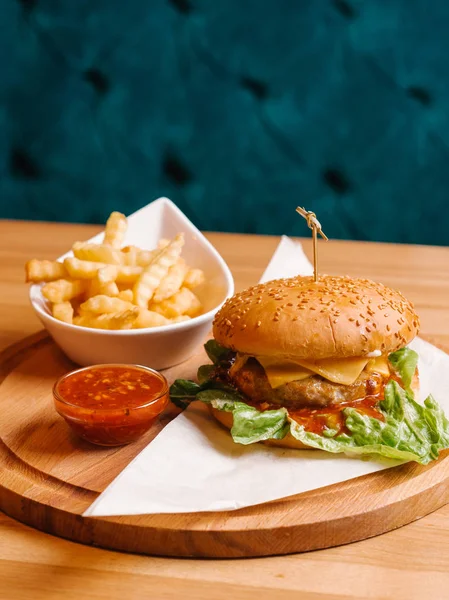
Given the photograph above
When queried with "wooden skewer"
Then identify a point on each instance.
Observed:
(315, 226)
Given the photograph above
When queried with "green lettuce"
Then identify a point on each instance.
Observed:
(250, 425)
(410, 431)
(404, 362)
(183, 391)
(215, 351)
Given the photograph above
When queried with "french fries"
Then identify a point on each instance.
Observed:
(107, 274)
(126, 295)
(133, 256)
(63, 290)
(82, 269)
(120, 320)
(105, 304)
(97, 253)
(128, 274)
(95, 287)
(115, 231)
(85, 269)
(152, 276)
(171, 283)
(63, 311)
(194, 278)
(183, 302)
(44, 270)
(107, 286)
(149, 318)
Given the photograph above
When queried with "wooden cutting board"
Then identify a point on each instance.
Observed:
(48, 478)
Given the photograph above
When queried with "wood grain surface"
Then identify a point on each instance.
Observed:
(50, 477)
(411, 562)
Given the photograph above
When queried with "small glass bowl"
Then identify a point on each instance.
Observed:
(116, 425)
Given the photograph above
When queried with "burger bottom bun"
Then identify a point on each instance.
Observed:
(227, 420)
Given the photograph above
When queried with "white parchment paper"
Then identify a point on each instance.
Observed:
(194, 466)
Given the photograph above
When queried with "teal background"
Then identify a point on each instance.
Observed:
(236, 110)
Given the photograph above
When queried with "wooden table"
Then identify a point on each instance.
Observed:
(412, 562)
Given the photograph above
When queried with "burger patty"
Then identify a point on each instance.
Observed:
(252, 381)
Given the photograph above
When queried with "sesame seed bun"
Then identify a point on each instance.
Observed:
(335, 317)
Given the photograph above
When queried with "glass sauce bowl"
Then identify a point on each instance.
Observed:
(111, 404)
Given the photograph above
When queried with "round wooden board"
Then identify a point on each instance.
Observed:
(48, 478)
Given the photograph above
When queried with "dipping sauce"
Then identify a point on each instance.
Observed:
(111, 405)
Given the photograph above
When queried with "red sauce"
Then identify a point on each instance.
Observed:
(316, 420)
(111, 405)
(110, 387)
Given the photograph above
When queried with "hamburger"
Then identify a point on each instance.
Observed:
(319, 365)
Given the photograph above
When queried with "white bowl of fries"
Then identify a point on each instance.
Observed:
(144, 292)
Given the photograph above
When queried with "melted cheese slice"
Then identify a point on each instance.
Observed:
(379, 365)
(344, 371)
(279, 373)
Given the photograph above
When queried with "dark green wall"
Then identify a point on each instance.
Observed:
(237, 110)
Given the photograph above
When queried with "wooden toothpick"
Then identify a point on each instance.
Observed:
(315, 226)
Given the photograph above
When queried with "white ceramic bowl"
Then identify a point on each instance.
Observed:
(158, 347)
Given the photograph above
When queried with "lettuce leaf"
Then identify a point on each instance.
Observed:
(250, 425)
(410, 431)
(183, 391)
(215, 351)
(404, 362)
(204, 373)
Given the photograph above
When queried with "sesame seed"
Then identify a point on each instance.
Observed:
(358, 323)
